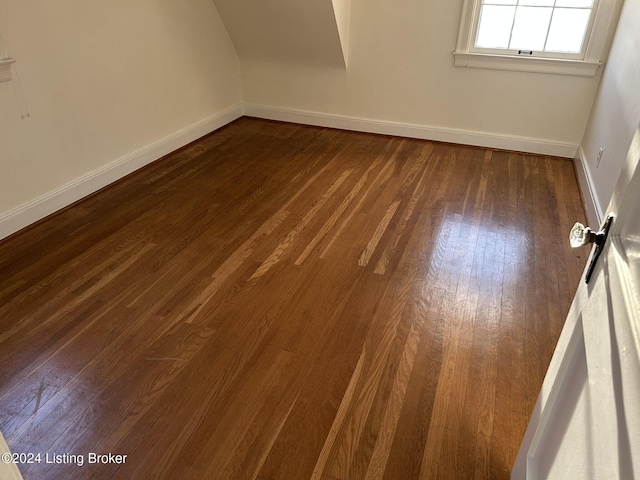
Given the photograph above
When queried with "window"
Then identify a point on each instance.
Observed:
(553, 36)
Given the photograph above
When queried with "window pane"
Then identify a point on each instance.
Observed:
(575, 3)
(536, 3)
(495, 26)
(499, 2)
(567, 30)
(530, 28)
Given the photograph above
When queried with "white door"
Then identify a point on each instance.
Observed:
(586, 422)
(8, 469)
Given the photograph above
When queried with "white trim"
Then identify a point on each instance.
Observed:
(589, 194)
(596, 46)
(465, 137)
(602, 31)
(5, 69)
(582, 68)
(8, 471)
(549, 407)
(30, 212)
(465, 30)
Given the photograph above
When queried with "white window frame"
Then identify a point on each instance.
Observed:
(596, 43)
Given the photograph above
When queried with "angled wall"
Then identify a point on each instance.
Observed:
(305, 32)
(342, 10)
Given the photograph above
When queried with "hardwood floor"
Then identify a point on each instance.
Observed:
(278, 301)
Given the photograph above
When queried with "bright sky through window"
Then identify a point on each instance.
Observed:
(536, 25)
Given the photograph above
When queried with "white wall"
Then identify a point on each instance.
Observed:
(111, 86)
(105, 83)
(616, 110)
(401, 70)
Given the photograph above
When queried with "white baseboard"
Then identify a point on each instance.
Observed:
(465, 137)
(28, 213)
(589, 195)
(37, 209)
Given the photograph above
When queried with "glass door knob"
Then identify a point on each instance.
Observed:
(581, 235)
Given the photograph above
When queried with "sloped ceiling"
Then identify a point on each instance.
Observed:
(300, 31)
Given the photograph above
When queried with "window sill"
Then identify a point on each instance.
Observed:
(582, 68)
(5, 69)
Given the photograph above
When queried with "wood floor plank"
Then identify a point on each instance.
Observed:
(278, 301)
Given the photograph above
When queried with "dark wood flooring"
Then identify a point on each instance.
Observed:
(278, 301)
